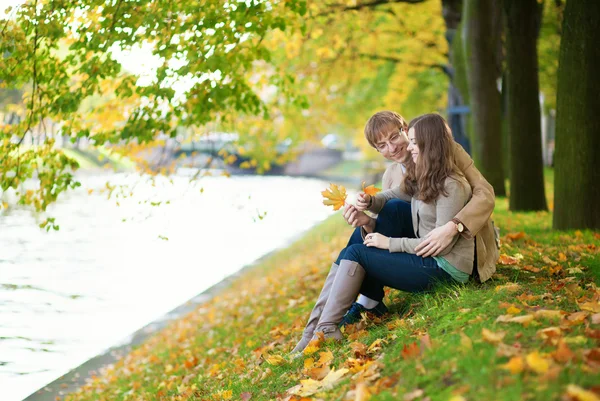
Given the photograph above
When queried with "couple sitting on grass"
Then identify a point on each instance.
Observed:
(432, 226)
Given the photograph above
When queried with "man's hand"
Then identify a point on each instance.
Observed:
(355, 217)
(377, 240)
(362, 201)
(437, 240)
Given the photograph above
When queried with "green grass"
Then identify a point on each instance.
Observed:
(229, 347)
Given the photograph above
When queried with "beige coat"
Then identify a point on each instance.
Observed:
(475, 215)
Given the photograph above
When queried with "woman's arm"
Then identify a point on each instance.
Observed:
(446, 208)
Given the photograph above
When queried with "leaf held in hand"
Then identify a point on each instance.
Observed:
(334, 196)
(370, 190)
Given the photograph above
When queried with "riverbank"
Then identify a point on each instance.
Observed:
(531, 332)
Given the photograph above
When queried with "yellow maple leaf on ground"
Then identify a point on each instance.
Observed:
(309, 387)
(370, 190)
(334, 196)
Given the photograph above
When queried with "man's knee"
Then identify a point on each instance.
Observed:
(394, 208)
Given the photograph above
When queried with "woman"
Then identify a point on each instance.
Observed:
(437, 191)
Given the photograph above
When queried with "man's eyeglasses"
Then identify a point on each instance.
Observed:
(394, 139)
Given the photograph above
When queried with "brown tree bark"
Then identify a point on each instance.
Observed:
(577, 156)
(481, 59)
(523, 106)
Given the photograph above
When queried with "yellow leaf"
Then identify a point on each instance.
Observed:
(579, 394)
(514, 365)
(524, 320)
(334, 196)
(310, 386)
(465, 341)
(510, 287)
(513, 310)
(325, 358)
(548, 314)
(491, 337)
(362, 392)
(309, 363)
(537, 362)
(590, 306)
(275, 360)
(370, 190)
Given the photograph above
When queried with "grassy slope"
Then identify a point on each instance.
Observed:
(434, 345)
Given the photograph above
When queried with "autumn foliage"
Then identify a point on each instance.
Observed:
(532, 332)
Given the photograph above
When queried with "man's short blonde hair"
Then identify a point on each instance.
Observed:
(383, 123)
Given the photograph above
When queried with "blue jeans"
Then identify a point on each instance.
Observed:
(399, 270)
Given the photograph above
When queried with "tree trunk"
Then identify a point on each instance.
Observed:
(577, 157)
(480, 44)
(452, 12)
(523, 106)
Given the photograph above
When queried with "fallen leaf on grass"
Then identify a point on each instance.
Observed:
(514, 365)
(550, 335)
(309, 387)
(509, 287)
(507, 260)
(576, 393)
(376, 345)
(508, 350)
(359, 349)
(537, 362)
(491, 337)
(410, 351)
(318, 373)
(563, 353)
(592, 357)
(245, 396)
(590, 306)
(596, 318)
(361, 392)
(465, 342)
(413, 395)
(275, 360)
(548, 314)
(524, 320)
(515, 236)
(532, 269)
(513, 310)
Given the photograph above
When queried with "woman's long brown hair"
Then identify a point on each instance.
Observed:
(435, 163)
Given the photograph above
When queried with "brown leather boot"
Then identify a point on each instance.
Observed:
(316, 312)
(344, 291)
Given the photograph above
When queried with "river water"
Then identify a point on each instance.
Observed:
(117, 264)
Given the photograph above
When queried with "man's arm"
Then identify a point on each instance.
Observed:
(477, 212)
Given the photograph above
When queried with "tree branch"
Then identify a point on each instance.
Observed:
(369, 4)
(442, 67)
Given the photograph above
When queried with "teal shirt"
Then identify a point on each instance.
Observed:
(456, 274)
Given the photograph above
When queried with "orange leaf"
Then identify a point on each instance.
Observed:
(563, 354)
(410, 351)
(515, 365)
(370, 190)
(515, 236)
(508, 260)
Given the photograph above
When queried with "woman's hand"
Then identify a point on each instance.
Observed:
(363, 201)
(356, 218)
(437, 240)
(377, 240)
